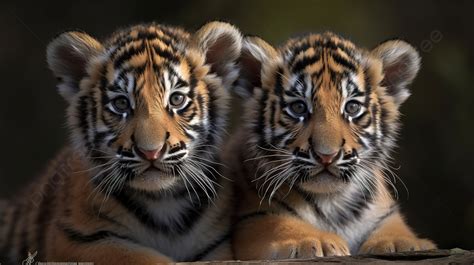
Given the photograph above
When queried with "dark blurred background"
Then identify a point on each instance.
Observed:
(435, 156)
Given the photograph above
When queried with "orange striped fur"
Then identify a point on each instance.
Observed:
(140, 182)
(320, 119)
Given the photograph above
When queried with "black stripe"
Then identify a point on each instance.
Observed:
(302, 154)
(190, 217)
(328, 43)
(169, 34)
(200, 101)
(251, 216)
(360, 117)
(335, 76)
(259, 128)
(272, 120)
(278, 138)
(166, 55)
(137, 209)
(143, 35)
(185, 108)
(176, 149)
(126, 55)
(212, 109)
(103, 84)
(181, 83)
(82, 111)
(79, 237)
(367, 123)
(290, 141)
(308, 197)
(358, 205)
(291, 117)
(191, 137)
(368, 86)
(112, 140)
(279, 81)
(287, 207)
(300, 65)
(392, 210)
(93, 113)
(283, 123)
(99, 137)
(342, 61)
(185, 221)
(189, 117)
(290, 93)
(295, 51)
(102, 215)
(211, 247)
(383, 118)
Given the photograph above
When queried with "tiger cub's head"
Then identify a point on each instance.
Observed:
(321, 112)
(147, 107)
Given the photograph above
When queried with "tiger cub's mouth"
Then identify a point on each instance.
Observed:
(318, 171)
(326, 172)
(325, 180)
(157, 171)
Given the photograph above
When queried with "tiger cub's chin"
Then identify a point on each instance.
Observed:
(323, 183)
(139, 185)
(155, 181)
(320, 119)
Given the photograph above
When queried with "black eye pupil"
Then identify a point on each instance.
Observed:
(177, 99)
(298, 108)
(121, 104)
(352, 107)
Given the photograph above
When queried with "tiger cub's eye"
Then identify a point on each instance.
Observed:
(177, 99)
(298, 108)
(121, 104)
(352, 108)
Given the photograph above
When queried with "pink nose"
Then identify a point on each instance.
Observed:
(150, 155)
(326, 159)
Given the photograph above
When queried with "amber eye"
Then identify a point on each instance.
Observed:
(298, 108)
(352, 108)
(177, 99)
(121, 104)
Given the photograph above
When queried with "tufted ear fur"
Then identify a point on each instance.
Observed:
(400, 64)
(221, 43)
(67, 56)
(255, 53)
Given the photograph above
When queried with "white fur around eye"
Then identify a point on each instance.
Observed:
(351, 117)
(183, 105)
(348, 87)
(111, 107)
(170, 83)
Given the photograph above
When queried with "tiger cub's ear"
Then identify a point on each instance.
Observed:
(256, 53)
(221, 43)
(67, 56)
(400, 64)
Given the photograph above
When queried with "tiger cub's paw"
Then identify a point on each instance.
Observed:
(390, 244)
(323, 245)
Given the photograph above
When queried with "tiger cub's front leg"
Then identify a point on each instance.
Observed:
(272, 236)
(113, 251)
(394, 235)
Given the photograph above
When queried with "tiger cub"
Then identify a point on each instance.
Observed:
(138, 184)
(321, 117)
